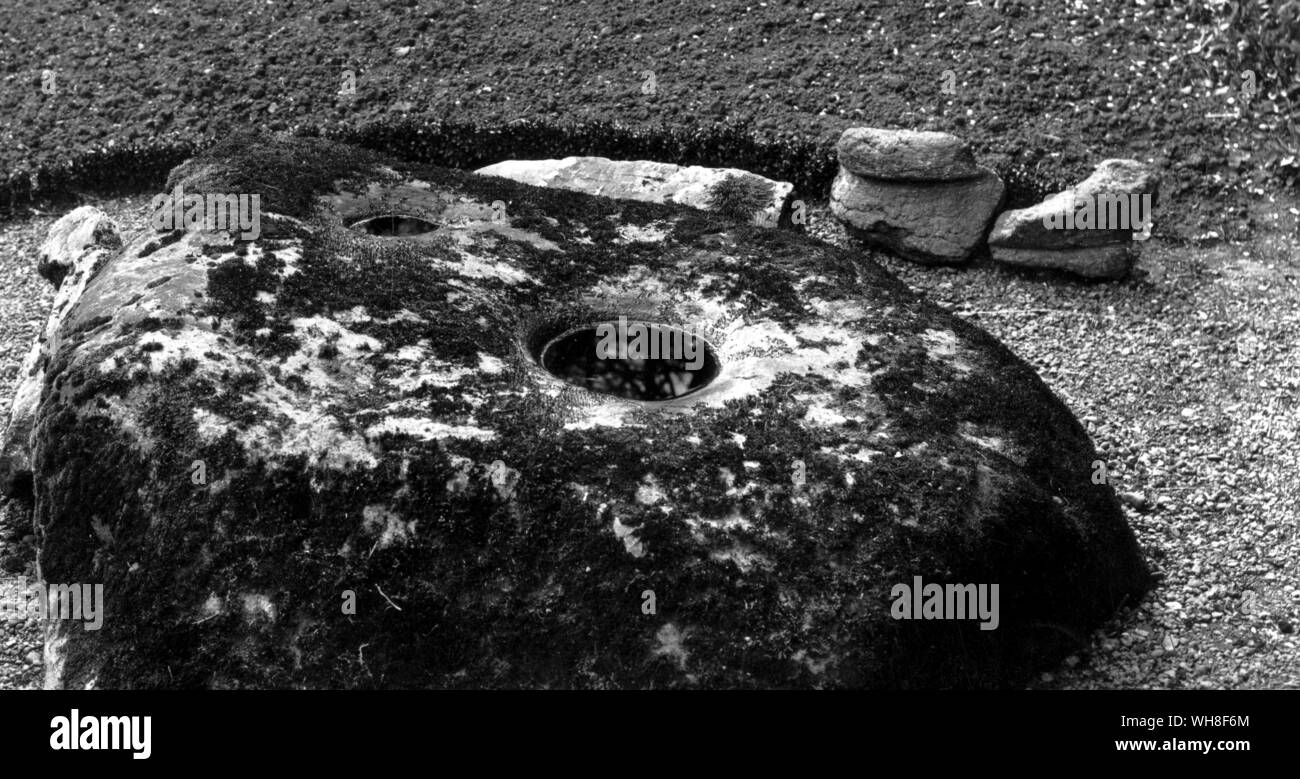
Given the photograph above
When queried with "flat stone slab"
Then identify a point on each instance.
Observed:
(731, 190)
(906, 155)
(1096, 262)
(332, 457)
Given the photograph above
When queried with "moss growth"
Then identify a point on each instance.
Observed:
(286, 172)
(740, 197)
(167, 239)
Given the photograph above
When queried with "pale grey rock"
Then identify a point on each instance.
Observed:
(1111, 200)
(929, 223)
(653, 182)
(906, 155)
(71, 237)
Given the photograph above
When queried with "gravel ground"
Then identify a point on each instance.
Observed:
(23, 307)
(1057, 83)
(1187, 377)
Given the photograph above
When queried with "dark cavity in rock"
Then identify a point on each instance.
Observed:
(664, 363)
(391, 226)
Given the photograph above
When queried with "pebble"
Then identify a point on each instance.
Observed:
(1136, 500)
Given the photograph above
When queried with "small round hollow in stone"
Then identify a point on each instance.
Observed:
(632, 360)
(394, 225)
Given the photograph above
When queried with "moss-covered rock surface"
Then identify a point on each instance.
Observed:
(328, 458)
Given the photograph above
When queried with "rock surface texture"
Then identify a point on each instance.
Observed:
(729, 190)
(906, 155)
(1105, 211)
(77, 247)
(330, 458)
(919, 194)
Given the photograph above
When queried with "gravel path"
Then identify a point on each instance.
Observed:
(1187, 377)
(24, 304)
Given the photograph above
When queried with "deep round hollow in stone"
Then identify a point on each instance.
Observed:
(634, 360)
(394, 225)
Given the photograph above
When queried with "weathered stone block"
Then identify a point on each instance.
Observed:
(906, 155)
(926, 222)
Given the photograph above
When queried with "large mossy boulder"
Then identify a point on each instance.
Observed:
(330, 456)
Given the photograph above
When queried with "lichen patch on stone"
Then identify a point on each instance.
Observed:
(428, 430)
(671, 643)
(386, 526)
(651, 233)
(944, 346)
(627, 535)
(258, 605)
(649, 492)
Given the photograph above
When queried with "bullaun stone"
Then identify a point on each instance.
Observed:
(330, 458)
